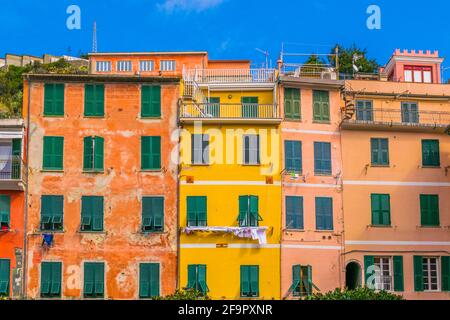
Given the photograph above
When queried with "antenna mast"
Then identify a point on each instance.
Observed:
(94, 38)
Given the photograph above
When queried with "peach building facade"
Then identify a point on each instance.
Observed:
(395, 147)
(312, 216)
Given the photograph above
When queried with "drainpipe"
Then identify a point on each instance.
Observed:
(24, 254)
(177, 281)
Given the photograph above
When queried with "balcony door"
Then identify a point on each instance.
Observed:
(250, 107)
(5, 160)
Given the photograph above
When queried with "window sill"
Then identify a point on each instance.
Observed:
(430, 227)
(292, 120)
(251, 164)
(50, 232)
(431, 167)
(379, 226)
(150, 118)
(325, 174)
(91, 232)
(53, 116)
(150, 170)
(200, 164)
(95, 117)
(93, 172)
(295, 230)
(53, 170)
(325, 231)
(322, 121)
(380, 165)
(149, 233)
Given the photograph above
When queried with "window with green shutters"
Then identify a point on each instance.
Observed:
(379, 151)
(200, 149)
(149, 280)
(381, 209)
(294, 213)
(293, 156)
(197, 278)
(152, 214)
(94, 280)
(93, 154)
(151, 101)
(426, 277)
(53, 99)
(251, 149)
(429, 210)
(249, 281)
(445, 273)
(410, 112)
(91, 213)
(94, 100)
(5, 212)
(430, 153)
(151, 153)
(4, 277)
(213, 108)
(249, 211)
(292, 104)
(16, 170)
(196, 211)
(302, 284)
(249, 107)
(324, 213)
(364, 110)
(321, 106)
(53, 153)
(51, 279)
(322, 158)
(378, 273)
(52, 211)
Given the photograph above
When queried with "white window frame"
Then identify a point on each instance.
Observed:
(103, 66)
(428, 275)
(168, 65)
(380, 270)
(254, 150)
(146, 65)
(124, 66)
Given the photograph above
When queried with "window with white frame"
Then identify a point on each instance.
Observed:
(383, 273)
(430, 274)
(146, 65)
(124, 65)
(167, 65)
(418, 74)
(103, 66)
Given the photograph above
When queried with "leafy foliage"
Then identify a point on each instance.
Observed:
(11, 83)
(185, 295)
(364, 64)
(357, 294)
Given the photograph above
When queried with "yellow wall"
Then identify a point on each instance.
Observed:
(222, 182)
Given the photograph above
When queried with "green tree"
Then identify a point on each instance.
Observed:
(357, 294)
(184, 295)
(364, 64)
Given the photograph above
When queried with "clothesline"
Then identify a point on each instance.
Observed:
(254, 233)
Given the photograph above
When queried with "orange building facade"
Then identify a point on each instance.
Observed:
(102, 189)
(12, 201)
(395, 147)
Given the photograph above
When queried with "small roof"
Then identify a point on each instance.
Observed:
(147, 53)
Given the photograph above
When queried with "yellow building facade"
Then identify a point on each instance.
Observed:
(230, 190)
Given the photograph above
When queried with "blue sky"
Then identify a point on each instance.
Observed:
(227, 29)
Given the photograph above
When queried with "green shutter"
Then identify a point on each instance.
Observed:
(380, 151)
(151, 101)
(398, 274)
(53, 99)
(4, 277)
(243, 211)
(296, 278)
(368, 261)
(321, 106)
(97, 218)
(445, 273)
(99, 153)
(152, 214)
(192, 277)
(418, 273)
(254, 211)
(94, 100)
(46, 279)
(144, 282)
(99, 279)
(381, 209)
(88, 279)
(55, 289)
(191, 211)
(151, 153)
(202, 211)
(53, 153)
(154, 280)
(202, 278)
(52, 211)
(430, 153)
(5, 210)
(429, 210)
(322, 158)
(245, 281)
(88, 154)
(292, 103)
(324, 213)
(254, 280)
(293, 155)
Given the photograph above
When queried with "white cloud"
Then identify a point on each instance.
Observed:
(169, 6)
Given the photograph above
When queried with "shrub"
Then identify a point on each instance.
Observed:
(357, 294)
(185, 295)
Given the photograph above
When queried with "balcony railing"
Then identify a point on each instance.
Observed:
(218, 76)
(250, 111)
(419, 120)
(315, 71)
(10, 168)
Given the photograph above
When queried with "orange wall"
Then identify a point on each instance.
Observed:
(320, 249)
(122, 246)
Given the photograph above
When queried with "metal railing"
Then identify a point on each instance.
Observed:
(11, 168)
(210, 76)
(316, 71)
(229, 111)
(399, 117)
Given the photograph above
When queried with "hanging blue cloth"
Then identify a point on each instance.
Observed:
(47, 239)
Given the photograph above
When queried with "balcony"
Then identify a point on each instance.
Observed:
(11, 172)
(397, 120)
(231, 113)
(231, 77)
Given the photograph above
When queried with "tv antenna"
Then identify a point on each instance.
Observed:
(94, 38)
(265, 53)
